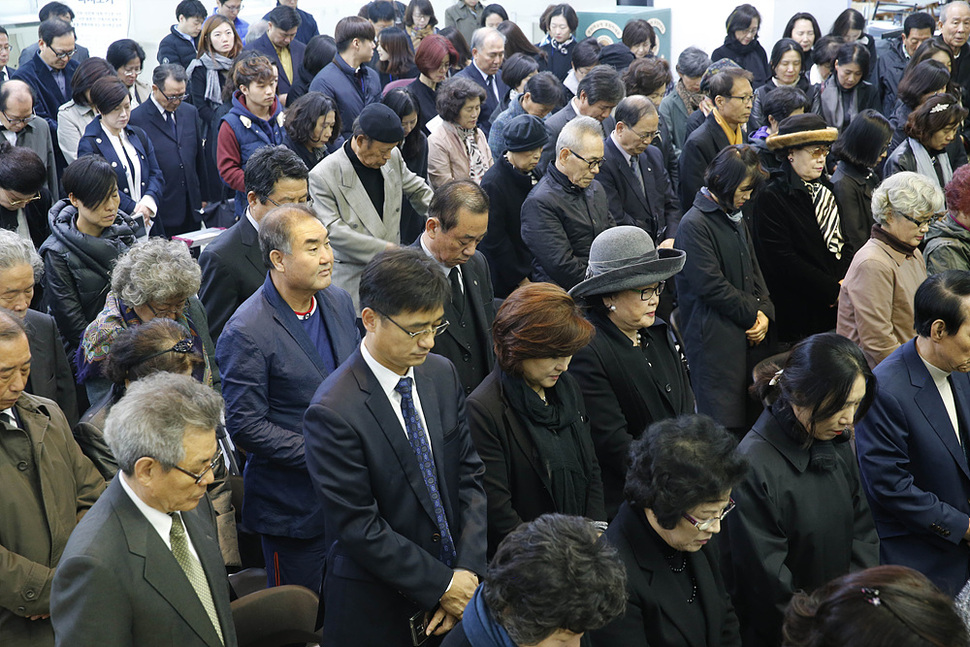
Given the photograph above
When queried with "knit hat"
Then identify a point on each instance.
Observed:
(381, 124)
(799, 131)
(617, 55)
(625, 258)
(525, 133)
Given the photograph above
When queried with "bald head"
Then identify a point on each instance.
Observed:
(16, 105)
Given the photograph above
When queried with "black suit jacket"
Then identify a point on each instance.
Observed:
(118, 584)
(491, 103)
(181, 159)
(50, 372)
(651, 205)
(700, 149)
(377, 507)
(264, 46)
(656, 614)
(232, 271)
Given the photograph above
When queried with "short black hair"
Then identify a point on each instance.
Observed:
(638, 31)
(518, 67)
(122, 51)
(633, 108)
(721, 84)
(53, 28)
(545, 89)
(741, 19)
(926, 77)
(284, 17)
(191, 9)
(781, 48)
(403, 103)
(302, 116)
(380, 11)
(918, 20)
(729, 170)
(864, 140)
(319, 53)
(426, 10)
(54, 9)
(681, 463)
(586, 53)
(107, 93)
(403, 280)
(270, 164)
(496, 9)
(21, 169)
(167, 71)
(567, 12)
(941, 296)
(826, 48)
(854, 53)
(89, 71)
(352, 27)
(603, 83)
(782, 101)
(3, 31)
(90, 179)
(455, 195)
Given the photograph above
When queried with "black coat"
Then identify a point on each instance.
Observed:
(308, 156)
(557, 63)
(802, 275)
(889, 72)
(700, 149)
(36, 214)
(176, 49)
(903, 158)
(795, 526)
(650, 205)
(628, 389)
(751, 57)
(426, 97)
(210, 114)
(516, 483)
(559, 223)
(509, 259)
(853, 187)
(232, 271)
(655, 614)
(758, 116)
(960, 74)
(50, 372)
(554, 125)
(664, 142)
(866, 96)
(77, 269)
(264, 46)
(721, 289)
(415, 156)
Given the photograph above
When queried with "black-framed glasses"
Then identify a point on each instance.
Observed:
(16, 121)
(16, 204)
(935, 218)
(198, 477)
(63, 55)
(174, 97)
(433, 330)
(705, 524)
(747, 99)
(648, 293)
(182, 346)
(167, 312)
(644, 137)
(590, 163)
(307, 199)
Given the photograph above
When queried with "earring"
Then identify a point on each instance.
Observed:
(791, 159)
(612, 308)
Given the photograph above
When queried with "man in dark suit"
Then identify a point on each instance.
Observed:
(273, 354)
(633, 173)
(176, 132)
(392, 459)
(308, 25)
(181, 45)
(54, 10)
(457, 223)
(232, 264)
(280, 46)
(913, 441)
(143, 567)
(730, 90)
(598, 93)
(488, 54)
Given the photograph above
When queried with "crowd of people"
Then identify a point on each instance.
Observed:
(503, 343)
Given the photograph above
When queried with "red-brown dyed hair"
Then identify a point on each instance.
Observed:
(210, 24)
(958, 191)
(538, 320)
(432, 51)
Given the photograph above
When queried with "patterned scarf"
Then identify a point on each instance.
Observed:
(417, 35)
(563, 47)
(827, 215)
(692, 100)
(214, 63)
(477, 165)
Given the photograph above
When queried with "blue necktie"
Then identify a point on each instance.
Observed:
(170, 118)
(422, 451)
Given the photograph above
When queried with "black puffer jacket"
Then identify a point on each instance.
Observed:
(77, 269)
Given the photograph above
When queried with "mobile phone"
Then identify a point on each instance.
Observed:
(140, 230)
(419, 627)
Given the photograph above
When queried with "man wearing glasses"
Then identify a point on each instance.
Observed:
(21, 129)
(567, 209)
(392, 459)
(174, 128)
(143, 567)
(43, 493)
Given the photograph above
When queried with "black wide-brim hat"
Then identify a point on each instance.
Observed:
(625, 258)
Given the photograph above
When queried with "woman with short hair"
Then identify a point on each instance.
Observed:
(562, 23)
(802, 516)
(786, 67)
(846, 93)
(686, 96)
(127, 58)
(312, 124)
(75, 115)
(639, 36)
(741, 44)
(541, 95)
(919, 83)
(24, 197)
(527, 418)
(948, 240)
(933, 147)
(419, 21)
(434, 57)
(458, 149)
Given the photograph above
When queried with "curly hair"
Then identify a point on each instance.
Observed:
(554, 573)
(155, 270)
(302, 116)
(681, 463)
(958, 191)
(647, 75)
(139, 351)
(906, 192)
(452, 95)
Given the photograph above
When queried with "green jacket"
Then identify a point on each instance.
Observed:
(947, 247)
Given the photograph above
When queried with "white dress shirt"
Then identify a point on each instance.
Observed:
(939, 377)
(388, 379)
(160, 521)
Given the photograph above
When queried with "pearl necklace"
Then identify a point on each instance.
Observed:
(681, 569)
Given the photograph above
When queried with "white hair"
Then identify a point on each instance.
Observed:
(945, 9)
(906, 193)
(575, 132)
(17, 250)
(480, 35)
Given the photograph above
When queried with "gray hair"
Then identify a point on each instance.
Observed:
(152, 417)
(167, 71)
(11, 325)
(908, 193)
(573, 133)
(693, 62)
(17, 250)
(480, 35)
(156, 270)
(276, 229)
(945, 9)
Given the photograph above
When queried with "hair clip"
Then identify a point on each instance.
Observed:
(871, 596)
(774, 380)
(940, 107)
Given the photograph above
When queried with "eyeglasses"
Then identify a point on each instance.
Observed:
(169, 311)
(747, 99)
(182, 346)
(648, 293)
(935, 218)
(174, 97)
(818, 151)
(232, 9)
(5, 48)
(645, 137)
(16, 204)
(16, 121)
(433, 330)
(307, 199)
(590, 163)
(63, 55)
(753, 31)
(198, 477)
(705, 524)
(131, 72)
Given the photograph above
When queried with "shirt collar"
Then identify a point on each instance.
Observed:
(161, 109)
(483, 75)
(616, 142)
(387, 378)
(175, 30)
(441, 266)
(160, 521)
(252, 220)
(937, 374)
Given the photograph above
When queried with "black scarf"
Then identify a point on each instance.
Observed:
(822, 457)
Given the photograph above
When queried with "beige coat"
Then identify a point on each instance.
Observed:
(447, 158)
(876, 299)
(47, 486)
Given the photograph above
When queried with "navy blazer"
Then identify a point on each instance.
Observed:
(491, 104)
(270, 370)
(337, 81)
(181, 159)
(232, 271)
(656, 210)
(265, 46)
(47, 96)
(95, 142)
(379, 513)
(915, 472)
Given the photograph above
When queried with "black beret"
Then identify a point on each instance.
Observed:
(525, 133)
(381, 124)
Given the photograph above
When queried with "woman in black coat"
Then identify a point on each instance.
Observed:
(741, 44)
(802, 517)
(678, 490)
(414, 150)
(932, 147)
(528, 419)
(631, 373)
(312, 123)
(798, 232)
(845, 93)
(725, 309)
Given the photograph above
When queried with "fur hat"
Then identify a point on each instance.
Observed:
(799, 131)
(625, 258)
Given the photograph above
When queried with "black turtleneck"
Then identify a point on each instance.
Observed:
(371, 178)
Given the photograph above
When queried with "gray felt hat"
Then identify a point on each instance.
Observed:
(624, 258)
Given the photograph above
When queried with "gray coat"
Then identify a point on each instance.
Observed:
(947, 247)
(37, 137)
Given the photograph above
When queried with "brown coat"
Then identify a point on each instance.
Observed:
(447, 157)
(876, 299)
(48, 485)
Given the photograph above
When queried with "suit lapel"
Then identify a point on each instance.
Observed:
(357, 197)
(160, 122)
(293, 327)
(250, 241)
(625, 171)
(930, 403)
